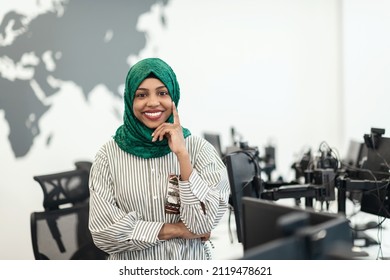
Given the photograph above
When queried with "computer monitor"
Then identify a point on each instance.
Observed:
(275, 231)
(377, 200)
(215, 140)
(378, 158)
(354, 154)
(244, 179)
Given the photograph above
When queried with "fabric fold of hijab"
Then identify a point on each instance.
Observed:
(133, 136)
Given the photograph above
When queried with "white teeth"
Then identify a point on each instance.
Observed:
(156, 114)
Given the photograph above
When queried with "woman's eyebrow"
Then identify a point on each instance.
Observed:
(160, 87)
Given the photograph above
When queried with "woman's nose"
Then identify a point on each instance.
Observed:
(153, 101)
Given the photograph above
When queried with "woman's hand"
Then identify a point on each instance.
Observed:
(173, 132)
(169, 231)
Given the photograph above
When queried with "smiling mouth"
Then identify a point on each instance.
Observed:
(153, 115)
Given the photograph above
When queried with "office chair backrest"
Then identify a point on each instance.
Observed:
(85, 165)
(64, 188)
(63, 234)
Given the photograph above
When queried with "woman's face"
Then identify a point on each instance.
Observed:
(152, 103)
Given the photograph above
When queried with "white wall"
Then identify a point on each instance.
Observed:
(366, 71)
(271, 68)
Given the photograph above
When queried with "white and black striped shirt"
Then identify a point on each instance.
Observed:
(127, 202)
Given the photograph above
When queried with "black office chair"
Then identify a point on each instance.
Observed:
(59, 189)
(61, 230)
(85, 165)
(63, 234)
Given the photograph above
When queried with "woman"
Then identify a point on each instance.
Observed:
(156, 190)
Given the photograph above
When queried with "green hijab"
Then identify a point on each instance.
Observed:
(133, 136)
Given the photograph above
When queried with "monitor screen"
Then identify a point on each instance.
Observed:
(242, 169)
(354, 155)
(377, 200)
(275, 231)
(215, 140)
(378, 160)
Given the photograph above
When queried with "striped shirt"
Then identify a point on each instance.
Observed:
(128, 197)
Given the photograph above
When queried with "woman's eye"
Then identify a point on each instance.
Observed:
(140, 95)
(163, 93)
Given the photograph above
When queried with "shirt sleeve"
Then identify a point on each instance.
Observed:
(112, 229)
(204, 197)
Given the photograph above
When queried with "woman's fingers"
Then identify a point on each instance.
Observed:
(168, 128)
(176, 119)
(160, 131)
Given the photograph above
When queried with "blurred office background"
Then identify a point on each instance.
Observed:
(291, 74)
